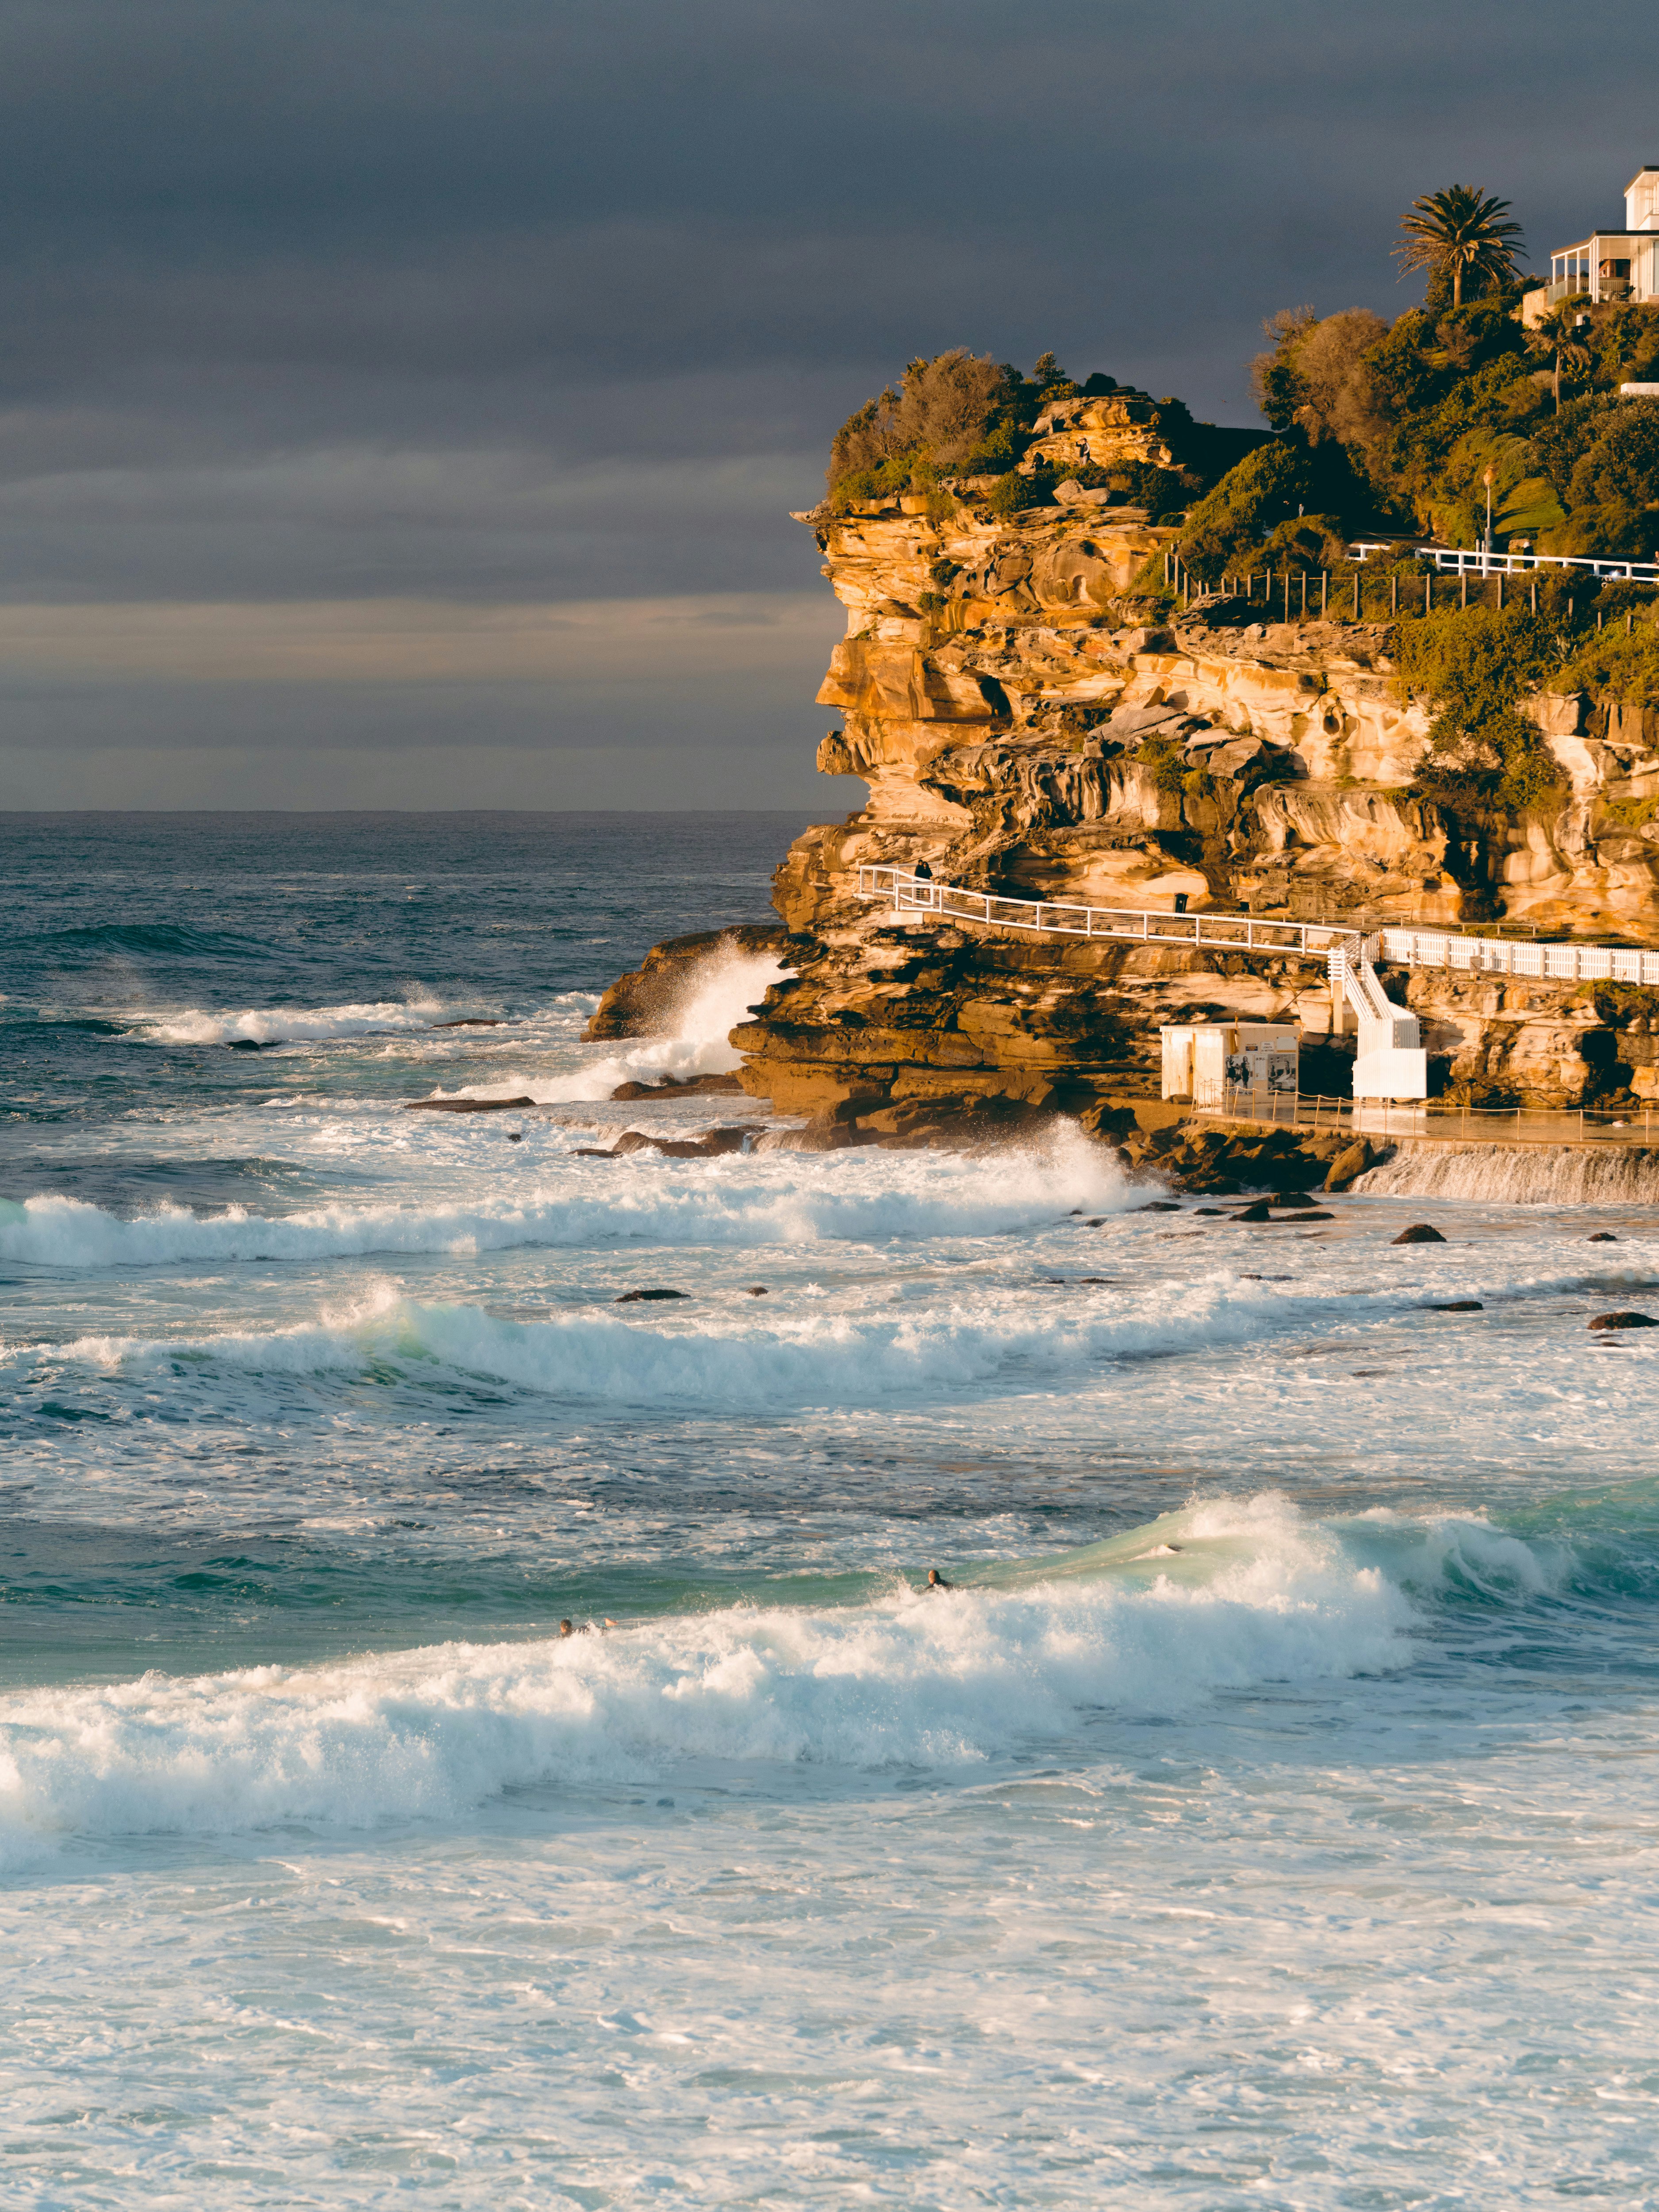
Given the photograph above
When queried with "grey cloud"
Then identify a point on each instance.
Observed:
(341, 297)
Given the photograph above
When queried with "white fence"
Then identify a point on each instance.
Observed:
(1461, 560)
(1449, 1124)
(1560, 962)
(1554, 963)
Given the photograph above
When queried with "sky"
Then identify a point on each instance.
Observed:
(402, 402)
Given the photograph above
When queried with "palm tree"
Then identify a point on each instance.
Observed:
(1557, 333)
(1457, 233)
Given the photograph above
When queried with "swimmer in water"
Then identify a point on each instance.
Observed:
(567, 1628)
(936, 1581)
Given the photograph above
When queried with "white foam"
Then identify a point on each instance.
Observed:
(299, 1025)
(734, 1201)
(720, 992)
(926, 1681)
(1518, 1175)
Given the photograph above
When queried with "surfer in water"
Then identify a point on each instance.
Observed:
(936, 1581)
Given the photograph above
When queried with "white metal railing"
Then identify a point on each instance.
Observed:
(1237, 932)
(1555, 963)
(1461, 560)
(1558, 963)
(1492, 1125)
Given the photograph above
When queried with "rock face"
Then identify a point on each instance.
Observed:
(1021, 736)
(637, 1003)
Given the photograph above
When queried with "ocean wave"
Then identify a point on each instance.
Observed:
(195, 1025)
(1256, 1595)
(697, 1040)
(734, 1201)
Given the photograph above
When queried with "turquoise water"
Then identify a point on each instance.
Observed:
(1267, 1817)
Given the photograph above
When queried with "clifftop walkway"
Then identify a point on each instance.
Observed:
(1560, 961)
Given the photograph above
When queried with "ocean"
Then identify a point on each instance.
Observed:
(1265, 1816)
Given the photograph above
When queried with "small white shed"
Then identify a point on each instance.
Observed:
(1208, 1062)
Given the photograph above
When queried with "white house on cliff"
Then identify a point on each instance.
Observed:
(1608, 264)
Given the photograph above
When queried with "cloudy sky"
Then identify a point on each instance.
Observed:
(401, 401)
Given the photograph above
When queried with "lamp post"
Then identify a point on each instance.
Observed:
(1486, 549)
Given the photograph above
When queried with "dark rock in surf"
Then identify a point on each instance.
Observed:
(649, 1297)
(1256, 1213)
(1624, 1320)
(1159, 1206)
(679, 1086)
(1350, 1164)
(1460, 1305)
(1603, 1236)
(1420, 1232)
(464, 1105)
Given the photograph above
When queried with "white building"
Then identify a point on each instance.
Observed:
(1609, 264)
(1236, 1067)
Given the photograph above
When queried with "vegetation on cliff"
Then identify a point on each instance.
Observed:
(959, 415)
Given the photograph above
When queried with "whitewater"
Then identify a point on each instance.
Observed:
(467, 1739)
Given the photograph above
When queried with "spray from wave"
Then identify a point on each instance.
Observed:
(196, 1025)
(1256, 1595)
(720, 992)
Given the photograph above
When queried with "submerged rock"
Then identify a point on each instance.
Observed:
(1420, 1232)
(649, 1297)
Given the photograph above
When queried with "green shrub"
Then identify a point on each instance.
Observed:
(1474, 665)
(1016, 492)
(1611, 665)
(1165, 757)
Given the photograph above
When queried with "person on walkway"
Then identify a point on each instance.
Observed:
(922, 872)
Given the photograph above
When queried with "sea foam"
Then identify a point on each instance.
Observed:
(1256, 1596)
(735, 1200)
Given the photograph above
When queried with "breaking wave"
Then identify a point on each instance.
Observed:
(735, 1200)
(722, 992)
(1255, 1594)
(300, 1024)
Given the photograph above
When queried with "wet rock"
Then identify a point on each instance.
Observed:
(591, 1152)
(755, 1289)
(464, 1105)
(1420, 1232)
(640, 1003)
(471, 1022)
(679, 1086)
(251, 1044)
(1626, 1320)
(1159, 1206)
(1459, 1305)
(1350, 1164)
(649, 1297)
(513, 1137)
(713, 1144)
(1256, 1213)
(1603, 1236)
(1284, 1198)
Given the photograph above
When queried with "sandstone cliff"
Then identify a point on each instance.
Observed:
(1019, 735)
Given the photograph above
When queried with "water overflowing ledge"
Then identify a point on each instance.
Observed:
(1516, 1174)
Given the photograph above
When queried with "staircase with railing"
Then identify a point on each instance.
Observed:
(1391, 1062)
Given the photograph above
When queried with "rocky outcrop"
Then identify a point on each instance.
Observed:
(1021, 733)
(640, 1003)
